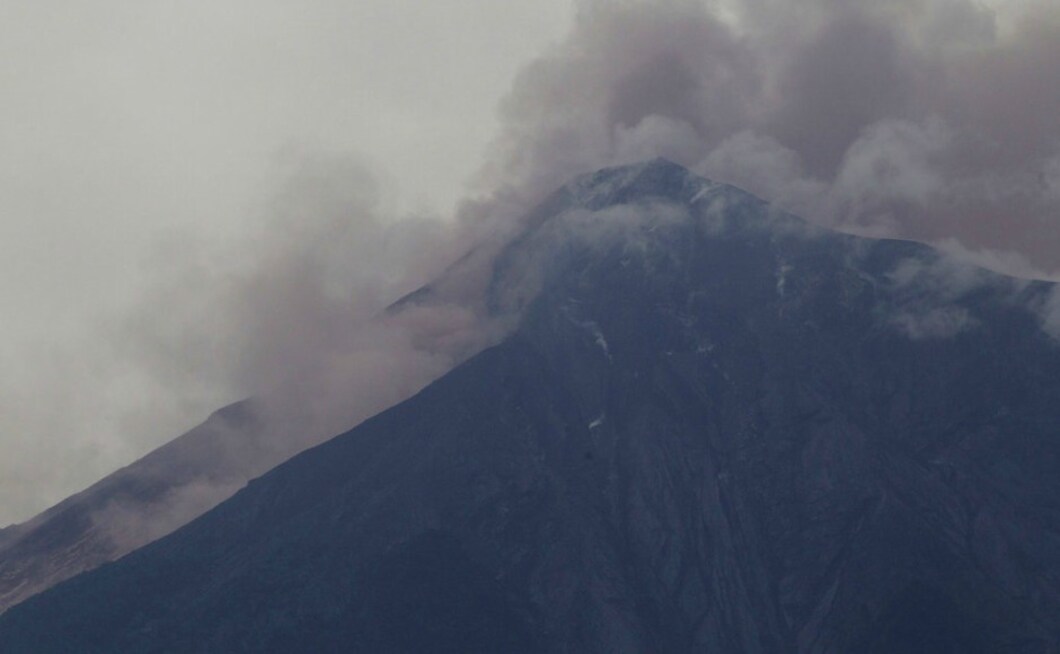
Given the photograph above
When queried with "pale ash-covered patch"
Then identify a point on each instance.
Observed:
(598, 336)
(938, 322)
(782, 277)
(706, 187)
(592, 329)
(1050, 313)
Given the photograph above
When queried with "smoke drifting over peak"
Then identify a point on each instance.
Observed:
(891, 118)
(298, 319)
(927, 119)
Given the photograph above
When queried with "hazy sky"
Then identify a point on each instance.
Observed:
(122, 121)
(199, 200)
(130, 128)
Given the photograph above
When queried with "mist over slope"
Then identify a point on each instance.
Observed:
(714, 427)
(926, 119)
(890, 118)
(349, 367)
(307, 333)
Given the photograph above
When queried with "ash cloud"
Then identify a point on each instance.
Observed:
(299, 316)
(925, 119)
(296, 314)
(936, 120)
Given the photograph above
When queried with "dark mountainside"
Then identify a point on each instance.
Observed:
(135, 505)
(715, 429)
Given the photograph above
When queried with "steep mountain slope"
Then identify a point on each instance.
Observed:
(715, 429)
(135, 505)
(186, 477)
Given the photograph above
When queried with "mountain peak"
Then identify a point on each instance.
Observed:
(656, 178)
(706, 432)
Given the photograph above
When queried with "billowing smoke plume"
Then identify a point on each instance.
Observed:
(929, 119)
(926, 119)
(299, 312)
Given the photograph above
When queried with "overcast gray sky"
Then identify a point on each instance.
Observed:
(129, 124)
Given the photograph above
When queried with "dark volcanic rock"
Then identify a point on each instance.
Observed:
(715, 430)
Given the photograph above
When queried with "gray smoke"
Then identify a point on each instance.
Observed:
(936, 120)
(926, 119)
(894, 118)
(299, 315)
(296, 314)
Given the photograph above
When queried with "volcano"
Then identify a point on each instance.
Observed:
(714, 428)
